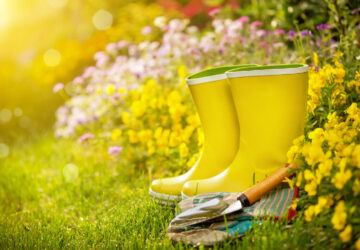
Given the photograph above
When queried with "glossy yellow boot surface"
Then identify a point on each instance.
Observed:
(271, 106)
(213, 100)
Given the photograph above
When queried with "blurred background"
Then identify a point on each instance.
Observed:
(45, 42)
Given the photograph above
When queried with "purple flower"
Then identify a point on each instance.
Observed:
(146, 30)
(279, 32)
(85, 137)
(213, 12)
(305, 33)
(323, 26)
(114, 150)
(292, 34)
(243, 19)
(58, 87)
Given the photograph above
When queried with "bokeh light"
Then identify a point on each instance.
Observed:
(4, 150)
(102, 19)
(18, 112)
(70, 172)
(5, 115)
(52, 57)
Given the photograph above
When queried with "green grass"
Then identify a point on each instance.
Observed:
(106, 206)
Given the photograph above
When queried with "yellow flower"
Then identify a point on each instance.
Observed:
(174, 98)
(192, 160)
(182, 71)
(201, 136)
(315, 59)
(138, 108)
(313, 153)
(99, 90)
(299, 179)
(291, 154)
(290, 182)
(145, 135)
(345, 235)
(133, 137)
(309, 213)
(311, 188)
(308, 175)
(356, 187)
(193, 120)
(353, 111)
(122, 90)
(339, 217)
(323, 202)
(341, 178)
(325, 167)
(116, 133)
(176, 111)
(357, 244)
(339, 73)
(183, 150)
(317, 135)
(158, 132)
(182, 74)
(125, 117)
(188, 131)
(175, 139)
(356, 156)
(151, 147)
(110, 89)
(163, 140)
(294, 204)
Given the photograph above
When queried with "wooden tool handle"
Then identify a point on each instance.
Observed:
(254, 193)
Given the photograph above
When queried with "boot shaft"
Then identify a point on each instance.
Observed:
(214, 103)
(271, 108)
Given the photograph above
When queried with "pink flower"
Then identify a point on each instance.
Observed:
(85, 137)
(58, 87)
(213, 12)
(279, 32)
(78, 80)
(243, 19)
(255, 24)
(146, 30)
(111, 47)
(122, 44)
(114, 150)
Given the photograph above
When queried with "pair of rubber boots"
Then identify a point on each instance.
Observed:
(250, 115)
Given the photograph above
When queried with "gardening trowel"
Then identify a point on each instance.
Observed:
(216, 207)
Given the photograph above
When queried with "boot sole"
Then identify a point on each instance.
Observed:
(165, 199)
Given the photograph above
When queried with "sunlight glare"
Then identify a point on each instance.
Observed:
(4, 14)
(57, 3)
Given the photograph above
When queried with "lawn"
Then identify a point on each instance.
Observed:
(105, 206)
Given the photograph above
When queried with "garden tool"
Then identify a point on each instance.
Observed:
(214, 103)
(270, 103)
(276, 204)
(218, 207)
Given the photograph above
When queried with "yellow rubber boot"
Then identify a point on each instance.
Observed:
(212, 97)
(271, 106)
